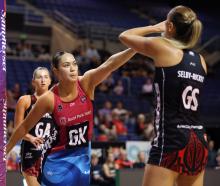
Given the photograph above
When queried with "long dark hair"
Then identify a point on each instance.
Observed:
(56, 58)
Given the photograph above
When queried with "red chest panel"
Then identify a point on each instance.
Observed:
(74, 119)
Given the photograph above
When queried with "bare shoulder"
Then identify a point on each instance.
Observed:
(24, 101)
(163, 46)
(46, 101)
(203, 63)
(168, 54)
(81, 77)
(87, 75)
(25, 98)
(86, 85)
(83, 80)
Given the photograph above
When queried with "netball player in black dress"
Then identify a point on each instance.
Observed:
(179, 150)
(31, 154)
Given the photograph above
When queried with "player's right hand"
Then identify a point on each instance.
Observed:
(37, 141)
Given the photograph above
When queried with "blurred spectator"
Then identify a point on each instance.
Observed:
(96, 172)
(122, 161)
(212, 154)
(109, 82)
(11, 102)
(144, 127)
(12, 162)
(92, 52)
(141, 160)
(109, 169)
(103, 88)
(18, 49)
(149, 128)
(26, 51)
(10, 128)
(106, 111)
(9, 51)
(119, 125)
(80, 55)
(106, 130)
(44, 55)
(218, 160)
(16, 91)
(127, 83)
(147, 88)
(121, 111)
(115, 150)
(119, 89)
(141, 124)
(93, 55)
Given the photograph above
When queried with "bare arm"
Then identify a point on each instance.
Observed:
(148, 46)
(95, 76)
(42, 106)
(203, 63)
(106, 171)
(22, 105)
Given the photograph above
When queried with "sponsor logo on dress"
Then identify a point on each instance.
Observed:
(81, 115)
(192, 64)
(59, 108)
(191, 53)
(199, 127)
(72, 104)
(83, 99)
(28, 155)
